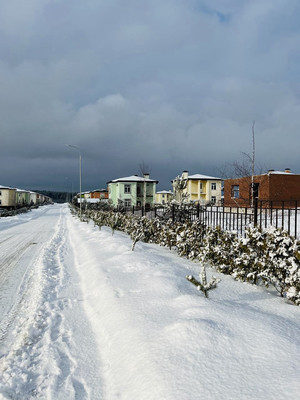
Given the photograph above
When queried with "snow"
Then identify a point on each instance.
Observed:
(133, 178)
(87, 318)
(5, 187)
(204, 177)
(279, 173)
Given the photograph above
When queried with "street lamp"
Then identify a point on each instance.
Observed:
(77, 148)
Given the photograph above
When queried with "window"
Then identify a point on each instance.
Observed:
(235, 191)
(0, 193)
(127, 188)
(213, 199)
(200, 185)
(213, 186)
(127, 203)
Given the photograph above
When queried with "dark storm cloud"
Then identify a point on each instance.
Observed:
(176, 84)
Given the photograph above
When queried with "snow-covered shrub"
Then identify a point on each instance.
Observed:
(165, 233)
(283, 263)
(115, 221)
(269, 257)
(218, 248)
(142, 230)
(190, 238)
(250, 260)
(99, 219)
(203, 285)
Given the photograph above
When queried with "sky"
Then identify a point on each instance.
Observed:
(171, 84)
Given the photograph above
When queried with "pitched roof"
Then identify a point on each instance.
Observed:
(203, 177)
(133, 178)
(22, 190)
(279, 173)
(6, 187)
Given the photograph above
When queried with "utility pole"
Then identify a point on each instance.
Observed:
(253, 165)
(80, 199)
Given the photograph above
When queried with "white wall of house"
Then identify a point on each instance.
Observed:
(7, 197)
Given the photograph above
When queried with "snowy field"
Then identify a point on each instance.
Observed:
(84, 317)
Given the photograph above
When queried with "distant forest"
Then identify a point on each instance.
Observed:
(57, 197)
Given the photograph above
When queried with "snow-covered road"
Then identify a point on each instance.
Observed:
(84, 317)
(46, 346)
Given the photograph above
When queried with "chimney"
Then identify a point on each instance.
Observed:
(185, 174)
(146, 175)
(287, 170)
(270, 171)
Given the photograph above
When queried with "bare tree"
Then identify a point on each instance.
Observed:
(245, 166)
(144, 170)
(179, 184)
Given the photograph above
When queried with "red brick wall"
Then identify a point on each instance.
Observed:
(275, 187)
(99, 195)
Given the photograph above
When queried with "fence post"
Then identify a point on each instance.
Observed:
(296, 217)
(255, 210)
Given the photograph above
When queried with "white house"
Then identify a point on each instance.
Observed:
(132, 190)
(7, 196)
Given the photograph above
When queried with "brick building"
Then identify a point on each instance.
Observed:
(99, 194)
(275, 186)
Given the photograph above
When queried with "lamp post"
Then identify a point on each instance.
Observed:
(77, 148)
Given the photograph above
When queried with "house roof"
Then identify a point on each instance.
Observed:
(133, 178)
(279, 173)
(203, 177)
(22, 190)
(6, 187)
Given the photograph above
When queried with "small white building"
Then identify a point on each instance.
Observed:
(33, 198)
(22, 197)
(7, 196)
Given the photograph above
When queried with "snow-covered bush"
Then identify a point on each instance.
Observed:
(250, 256)
(203, 285)
(142, 230)
(115, 221)
(190, 238)
(218, 248)
(269, 257)
(283, 263)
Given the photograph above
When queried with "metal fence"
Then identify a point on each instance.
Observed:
(284, 215)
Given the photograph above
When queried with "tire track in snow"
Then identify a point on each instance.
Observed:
(41, 338)
(13, 277)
